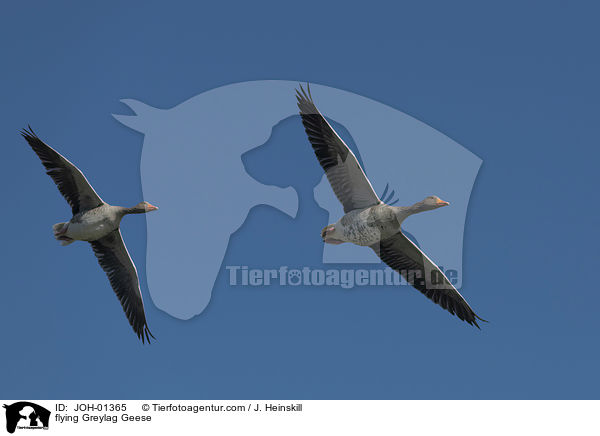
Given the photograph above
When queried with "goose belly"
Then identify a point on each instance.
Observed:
(90, 230)
(367, 227)
(362, 234)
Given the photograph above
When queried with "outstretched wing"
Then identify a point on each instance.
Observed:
(71, 183)
(402, 255)
(343, 171)
(114, 259)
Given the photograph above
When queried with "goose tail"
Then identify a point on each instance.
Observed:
(59, 230)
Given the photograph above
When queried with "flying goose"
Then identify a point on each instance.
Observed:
(98, 223)
(370, 222)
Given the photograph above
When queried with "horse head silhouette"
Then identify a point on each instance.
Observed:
(192, 166)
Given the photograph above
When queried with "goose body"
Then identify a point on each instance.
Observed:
(368, 221)
(364, 227)
(96, 222)
(93, 224)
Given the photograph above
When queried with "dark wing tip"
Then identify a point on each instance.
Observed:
(480, 319)
(305, 101)
(473, 317)
(28, 133)
(145, 331)
(140, 327)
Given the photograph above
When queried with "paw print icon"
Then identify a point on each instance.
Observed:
(294, 277)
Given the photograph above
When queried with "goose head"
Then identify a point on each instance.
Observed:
(143, 207)
(433, 202)
(429, 203)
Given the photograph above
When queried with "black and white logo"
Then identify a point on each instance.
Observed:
(26, 415)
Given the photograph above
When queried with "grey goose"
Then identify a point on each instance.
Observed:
(370, 222)
(98, 223)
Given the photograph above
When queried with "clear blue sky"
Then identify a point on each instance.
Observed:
(516, 83)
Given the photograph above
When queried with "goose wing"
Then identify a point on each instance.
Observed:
(114, 259)
(71, 182)
(343, 171)
(402, 255)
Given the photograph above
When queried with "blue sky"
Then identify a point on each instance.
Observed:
(516, 84)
